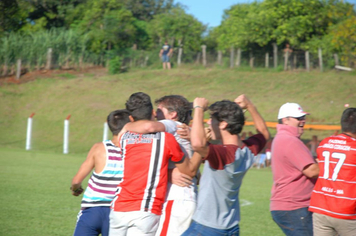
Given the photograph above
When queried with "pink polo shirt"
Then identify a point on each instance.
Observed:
(291, 189)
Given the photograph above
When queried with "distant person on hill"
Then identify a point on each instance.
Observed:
(165, 54)
(313, 144)
(333, 198)
(106, 160)
(218, 209)
(294, 173)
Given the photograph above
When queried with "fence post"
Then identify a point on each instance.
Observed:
(238, 58)
(307, 65)
(275, 55)
(336, 57)
(204, 54)
(29, 132)
(66, 135)
(180, 52)
(198, 58)
(49, 59)
(267, 60)
(219, 57)
(286, 57)
(105, 133)
(232, 57)
(251, 60)
(294, 62)
(320, 55)
(18, 69)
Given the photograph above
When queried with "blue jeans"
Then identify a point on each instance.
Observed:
(165, 58)
(295, 222)
(93, 221)
(196, 229)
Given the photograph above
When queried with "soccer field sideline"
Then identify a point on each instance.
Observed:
(38, 199)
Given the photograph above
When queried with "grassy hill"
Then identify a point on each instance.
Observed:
(89, 97)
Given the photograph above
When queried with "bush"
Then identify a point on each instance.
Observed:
(115, 65)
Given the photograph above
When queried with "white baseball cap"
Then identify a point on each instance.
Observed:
(291, 110)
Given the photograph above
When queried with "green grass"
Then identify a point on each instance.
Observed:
(90, 98)
(36, 199)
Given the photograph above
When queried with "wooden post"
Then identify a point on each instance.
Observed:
(232, 57)
(320, 55)
(238, 58)
(18, 69)
(286, 56)
(336, 57)
(219, 57)
(204, 54)
(198, 58)
(180, 52)
(267, 60)
(294, 61)
(307, 65)
(251, 60)
(275, 55)
(49, 59)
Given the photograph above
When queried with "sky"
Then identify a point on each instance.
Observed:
(210, 12)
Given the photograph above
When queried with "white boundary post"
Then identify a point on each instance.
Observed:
(29, 132)
(105, 135)
(66, 135)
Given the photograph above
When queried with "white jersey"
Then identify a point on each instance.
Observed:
(175, 192)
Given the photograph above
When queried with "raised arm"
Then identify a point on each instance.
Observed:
(245, 103)
(198, 136)
(190, 166)
(86, 167)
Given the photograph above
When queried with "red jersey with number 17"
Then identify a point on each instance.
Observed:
(334, 193)
(144, 182)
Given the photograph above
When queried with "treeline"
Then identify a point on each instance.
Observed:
(82, 32)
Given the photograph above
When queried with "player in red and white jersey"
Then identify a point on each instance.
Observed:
(333, 200)
(138, 204)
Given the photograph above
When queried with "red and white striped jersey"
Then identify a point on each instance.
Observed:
(144, 182)
(335, 191)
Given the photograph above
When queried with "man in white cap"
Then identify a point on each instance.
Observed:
(294, 173)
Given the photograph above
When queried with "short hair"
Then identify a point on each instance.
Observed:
(348, 120)
(140, 106)
(229, 112)
(178, 104)
(117, 120)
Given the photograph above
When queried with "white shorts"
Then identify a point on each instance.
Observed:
(268, 155)
(133, 223)
(176, 217)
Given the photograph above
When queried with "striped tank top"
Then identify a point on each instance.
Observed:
(102, 186)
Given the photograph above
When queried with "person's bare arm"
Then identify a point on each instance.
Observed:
(311, 171)
(86, 167)
(190, 166)
(178, 178)
(198, 136)
(245, 103)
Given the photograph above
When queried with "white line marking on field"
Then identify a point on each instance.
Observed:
(244, 202)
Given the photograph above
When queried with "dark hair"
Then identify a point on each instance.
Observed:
(229, 112)
(117, 120)
(178, 104)
(348, 120)
(140, 106)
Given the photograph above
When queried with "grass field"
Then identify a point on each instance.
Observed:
(35, 184)
(36, 199)
(89, 98)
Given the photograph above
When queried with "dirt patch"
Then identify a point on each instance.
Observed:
(58, 73)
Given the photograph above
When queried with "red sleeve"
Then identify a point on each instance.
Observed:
(255, 143)
(175, 152)
(220, 155)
